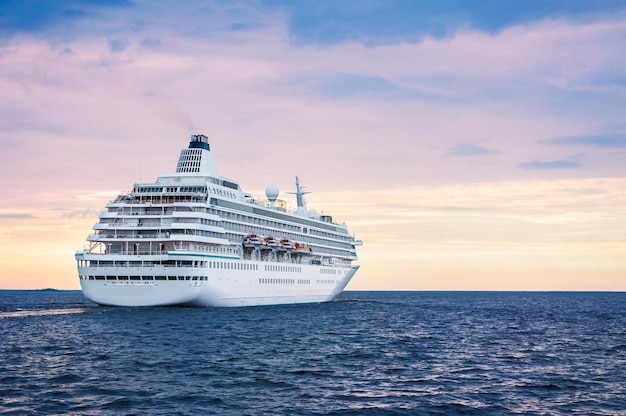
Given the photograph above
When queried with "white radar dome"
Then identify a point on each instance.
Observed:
(313, 213)
(271, 192)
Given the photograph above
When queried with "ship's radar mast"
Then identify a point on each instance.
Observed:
(300, 198)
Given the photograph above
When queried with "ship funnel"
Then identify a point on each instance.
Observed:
(199, 141)
(197, 158)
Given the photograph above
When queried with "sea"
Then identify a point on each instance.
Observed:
(367, 353)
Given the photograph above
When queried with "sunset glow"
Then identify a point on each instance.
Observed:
(485, 153)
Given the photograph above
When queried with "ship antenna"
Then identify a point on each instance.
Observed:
(300, 196)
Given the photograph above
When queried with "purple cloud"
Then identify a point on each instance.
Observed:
(468, 149)
(551, 164)
(600, 140)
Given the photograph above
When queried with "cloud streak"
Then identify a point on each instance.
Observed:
(600, 140)
(551, 164)
(16, 216)
(468, 149)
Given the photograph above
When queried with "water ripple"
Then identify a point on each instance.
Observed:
(370, 353)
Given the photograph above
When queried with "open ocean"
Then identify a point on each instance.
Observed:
(368, 353)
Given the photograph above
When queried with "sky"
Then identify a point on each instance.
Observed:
(471, 145)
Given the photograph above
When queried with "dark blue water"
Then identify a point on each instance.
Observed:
(370, 353)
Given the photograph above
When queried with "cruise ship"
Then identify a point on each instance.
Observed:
(196, 238)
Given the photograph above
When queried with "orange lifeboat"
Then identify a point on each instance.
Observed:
(272, 242)
(287, 244)
(253, 241)
(303, 248)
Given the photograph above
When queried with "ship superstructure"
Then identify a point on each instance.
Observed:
(193, 237)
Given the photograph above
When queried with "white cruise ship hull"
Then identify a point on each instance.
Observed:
(222, 288)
